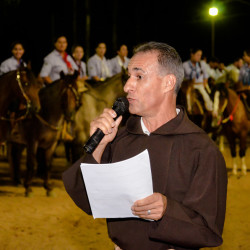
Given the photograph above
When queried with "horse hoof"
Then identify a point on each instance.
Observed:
(29, 194)
(244, 171)
(17, 183)
(51, 193)
(234, 172)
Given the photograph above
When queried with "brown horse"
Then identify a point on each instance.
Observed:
(41, 133)
(93, 101)
(19, 96)
(231, 115)
(191, 99)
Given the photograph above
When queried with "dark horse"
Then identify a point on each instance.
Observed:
(93, 101)
(40, 135)
(232, 117)
(19, 96)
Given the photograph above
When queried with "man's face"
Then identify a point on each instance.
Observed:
(123, 52)
(144, 86)
(61, 44)
(101, 49)
(18, 51)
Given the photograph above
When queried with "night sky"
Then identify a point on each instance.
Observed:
(181, 24)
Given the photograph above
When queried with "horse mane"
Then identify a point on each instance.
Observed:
(112, 79)
(7, 73)
(30, 75)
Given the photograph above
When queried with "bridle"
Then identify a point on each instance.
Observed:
(27, 99)
(18, 78)
(75, 93)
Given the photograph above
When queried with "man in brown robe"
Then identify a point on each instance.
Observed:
(189, 175)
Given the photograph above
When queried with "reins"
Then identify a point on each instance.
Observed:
(231, 115)
(18, 78)
(56, 128)
(76, 95)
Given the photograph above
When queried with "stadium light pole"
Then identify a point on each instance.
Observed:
(213, 12)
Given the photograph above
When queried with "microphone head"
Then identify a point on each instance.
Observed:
(121, 106)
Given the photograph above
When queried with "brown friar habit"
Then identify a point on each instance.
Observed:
(187, 168)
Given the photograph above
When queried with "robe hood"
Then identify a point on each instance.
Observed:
(179, 125)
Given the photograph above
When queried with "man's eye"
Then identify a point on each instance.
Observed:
(139, 77)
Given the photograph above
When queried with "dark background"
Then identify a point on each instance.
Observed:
(182, 24)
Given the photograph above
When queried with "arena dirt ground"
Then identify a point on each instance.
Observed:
(56, 223)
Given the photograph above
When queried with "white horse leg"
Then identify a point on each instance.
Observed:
(234, 166)
(243, 165)
(221, 143)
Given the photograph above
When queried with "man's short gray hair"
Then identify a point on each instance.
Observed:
(168, 58)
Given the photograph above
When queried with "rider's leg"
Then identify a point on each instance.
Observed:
(207, 100)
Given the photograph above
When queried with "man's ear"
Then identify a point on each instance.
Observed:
(169, 82)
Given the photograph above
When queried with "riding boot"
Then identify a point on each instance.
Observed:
(206, 98)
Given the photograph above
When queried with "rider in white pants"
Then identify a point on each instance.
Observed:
(196, 72)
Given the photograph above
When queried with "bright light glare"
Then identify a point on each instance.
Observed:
(213, 11)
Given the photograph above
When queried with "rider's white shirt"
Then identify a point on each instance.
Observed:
(116, 64)
(98, 67)
(54, 64)
(9, 65)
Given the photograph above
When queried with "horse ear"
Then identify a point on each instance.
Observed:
(124, 75)
(62, 75)
(76, 73)
(22, 66)
(124, 71)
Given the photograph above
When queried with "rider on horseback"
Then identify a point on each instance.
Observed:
(196, 73)
(243, 86)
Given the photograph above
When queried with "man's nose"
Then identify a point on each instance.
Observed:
(128, 85)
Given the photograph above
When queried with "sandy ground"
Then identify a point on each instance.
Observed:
(55, 223)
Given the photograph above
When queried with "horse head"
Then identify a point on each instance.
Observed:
(21, 92)
(70, 95)
(190, 98)
(31, 88)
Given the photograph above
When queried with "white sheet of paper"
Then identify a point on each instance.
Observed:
(113, 188)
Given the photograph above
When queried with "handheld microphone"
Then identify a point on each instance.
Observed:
(120, 107)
